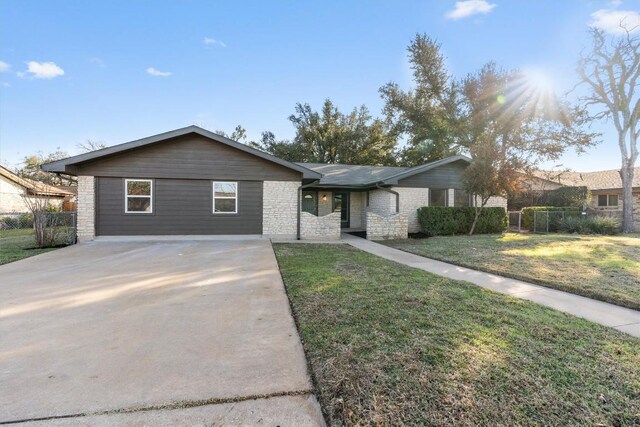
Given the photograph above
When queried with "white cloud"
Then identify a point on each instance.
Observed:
(5, 84)
(616, 21)
(4, 67)
(468, 8)
(153, 72)
(41, 70)
(208, 41)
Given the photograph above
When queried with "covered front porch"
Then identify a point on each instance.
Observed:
(370, 212)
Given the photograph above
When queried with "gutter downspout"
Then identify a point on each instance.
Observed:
(392, 192)
(300, 202)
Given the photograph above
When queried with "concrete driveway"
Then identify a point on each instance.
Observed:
(187, 332)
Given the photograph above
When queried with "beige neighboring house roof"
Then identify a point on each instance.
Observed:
(599, 180)
(35, 188)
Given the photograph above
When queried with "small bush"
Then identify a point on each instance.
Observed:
(528, 216)
(590, 225)
(438, 220)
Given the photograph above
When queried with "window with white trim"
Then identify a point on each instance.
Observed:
(225, 197)
(138, 196)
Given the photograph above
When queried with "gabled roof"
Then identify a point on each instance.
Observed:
(599, 180)
(368, 176)
(35, 188)
(62, 166)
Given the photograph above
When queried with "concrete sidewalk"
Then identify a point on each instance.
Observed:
(620, 318)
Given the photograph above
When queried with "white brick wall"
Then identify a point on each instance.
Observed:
(325, 207)
(410, 200)
(325, 227)
(280, 208)
(380, 227)
(382, 202)
(86, 208)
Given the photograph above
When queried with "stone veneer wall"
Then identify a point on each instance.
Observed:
(381, 227)
(280, 208)
(86, 208)
(617, 211)
(411, 199)
(325, 207)
(381, 202)
(320, 227)
(494, 202)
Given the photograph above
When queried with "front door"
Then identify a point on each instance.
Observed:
(341, 203)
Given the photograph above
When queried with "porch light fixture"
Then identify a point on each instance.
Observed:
(324, 197)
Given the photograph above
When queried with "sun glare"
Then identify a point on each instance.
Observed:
(539, 81)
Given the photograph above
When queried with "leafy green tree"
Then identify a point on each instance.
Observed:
(427, 116)
(329, 136)
(31, 168)
(510, 125)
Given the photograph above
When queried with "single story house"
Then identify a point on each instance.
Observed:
(194, 182)
(606, 190)
(15, 192)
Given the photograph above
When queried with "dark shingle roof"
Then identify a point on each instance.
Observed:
(337, 174)
(356, 175)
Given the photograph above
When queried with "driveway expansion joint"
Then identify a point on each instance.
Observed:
(166, 406)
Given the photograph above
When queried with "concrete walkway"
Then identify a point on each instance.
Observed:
(620, 318)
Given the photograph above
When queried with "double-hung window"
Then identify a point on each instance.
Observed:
(138, 196)
(225, 197)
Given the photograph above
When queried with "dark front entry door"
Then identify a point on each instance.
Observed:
(341, 203)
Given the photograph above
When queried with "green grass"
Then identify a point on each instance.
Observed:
(391, 345)
(17, 244)
(606, 268)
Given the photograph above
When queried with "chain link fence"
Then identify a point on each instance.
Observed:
(549, 221)
(48, 228)
(515, 221)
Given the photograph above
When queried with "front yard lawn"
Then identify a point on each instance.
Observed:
(606, 268)
(392, 345)
(17, 244)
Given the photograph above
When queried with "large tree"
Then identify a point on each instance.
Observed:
(330, 136)
(510, 125)
(30, 168)
(427, 116)
(611, 69)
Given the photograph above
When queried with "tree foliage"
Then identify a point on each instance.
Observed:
(611, 70)
(330, 136)
(427, 116)
(30, 168)
(510, 126)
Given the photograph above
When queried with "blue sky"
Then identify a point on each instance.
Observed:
(114, 71)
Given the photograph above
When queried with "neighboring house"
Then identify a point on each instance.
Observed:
(606, 190)
(14, 190)
(194, 182)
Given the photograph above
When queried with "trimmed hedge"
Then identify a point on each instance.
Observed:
(590, 225)
(527, 213)
(438, 220)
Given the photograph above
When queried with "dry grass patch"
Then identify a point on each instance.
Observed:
(392, 345)
(606, 268)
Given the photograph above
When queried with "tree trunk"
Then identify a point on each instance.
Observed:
(626, 173)
(478, 211)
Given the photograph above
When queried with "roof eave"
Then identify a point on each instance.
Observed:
(64, 165)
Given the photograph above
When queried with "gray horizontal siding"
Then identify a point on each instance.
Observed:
(446, 176)
(189, 157)
(180, 206)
